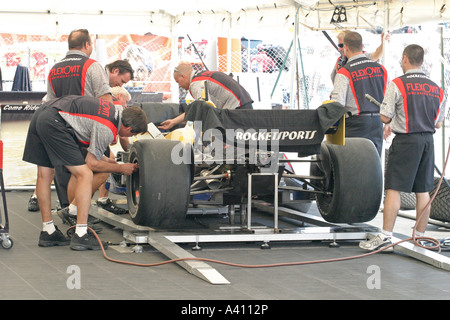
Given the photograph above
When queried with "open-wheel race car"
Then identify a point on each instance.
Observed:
(224, 148)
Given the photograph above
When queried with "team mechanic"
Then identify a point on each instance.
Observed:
(57, 132)
(412, 108)
(360, 76)
(222, 90)
(76, 74)
(342, 60)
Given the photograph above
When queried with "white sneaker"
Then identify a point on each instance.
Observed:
(377, 242)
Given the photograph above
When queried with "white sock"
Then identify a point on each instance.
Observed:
(49, 227)
(73, 210)
(386, 233)
(81, 229)
(418, 234)
(103, 200)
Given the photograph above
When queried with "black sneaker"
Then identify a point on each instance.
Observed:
(55, 239)
(86, 242)
(110, 206)
(33, 204)
(71, 220)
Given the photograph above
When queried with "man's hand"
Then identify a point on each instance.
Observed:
(387, 131)
(167, 124)
(128, 168)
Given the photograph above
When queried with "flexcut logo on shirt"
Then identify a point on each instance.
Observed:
(104, 108)
(422, 88)
(366, 73)
(65, 71)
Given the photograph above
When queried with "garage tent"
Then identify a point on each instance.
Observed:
(221, 18)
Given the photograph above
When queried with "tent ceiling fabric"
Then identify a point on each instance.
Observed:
(223, 18)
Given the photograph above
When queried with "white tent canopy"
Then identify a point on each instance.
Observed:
(208, 17)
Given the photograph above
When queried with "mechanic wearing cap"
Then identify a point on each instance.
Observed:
(58, 132)
(222, 90)
(360, 76)
(413, 107)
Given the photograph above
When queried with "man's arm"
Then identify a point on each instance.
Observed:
(376, 55)
(168, 124)
(105, 166)
(339, 93)
(442, 113)
(97, 82)
(385, 119)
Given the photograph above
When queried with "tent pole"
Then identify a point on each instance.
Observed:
(294, 60)
(443, 88)
(173, 62)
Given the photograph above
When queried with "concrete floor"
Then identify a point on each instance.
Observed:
(29, 272)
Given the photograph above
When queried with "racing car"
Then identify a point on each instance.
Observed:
(210, 161)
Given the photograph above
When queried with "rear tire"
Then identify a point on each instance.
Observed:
(158, 193)
(355, 182)
(440, 207)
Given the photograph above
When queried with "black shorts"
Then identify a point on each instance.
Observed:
(369, 127)
(410, 166)
(50, 142)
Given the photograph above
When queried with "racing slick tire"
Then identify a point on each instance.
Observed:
(158, 192)
(440, 207)
(354, 184)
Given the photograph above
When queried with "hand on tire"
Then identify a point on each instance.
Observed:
(128, 168)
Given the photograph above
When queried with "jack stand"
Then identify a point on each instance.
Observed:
(334, 244)
(196, 247)
(231, 212)
(249, 196)
(265, 245)
(243, 213)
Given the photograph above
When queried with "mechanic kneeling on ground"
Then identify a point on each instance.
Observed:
(57, 133)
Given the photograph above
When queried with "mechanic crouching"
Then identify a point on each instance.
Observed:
(57, 133)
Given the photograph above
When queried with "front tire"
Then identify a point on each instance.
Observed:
(158, 193)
